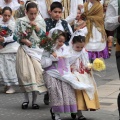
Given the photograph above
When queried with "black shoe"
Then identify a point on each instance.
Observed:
(35, 106)
(25, 105)
(52, 114)
(73, 116)
(82, 118)
(46, 99)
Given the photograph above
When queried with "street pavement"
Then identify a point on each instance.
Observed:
(108, 89)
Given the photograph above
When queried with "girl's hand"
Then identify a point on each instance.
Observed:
(88, 69)
(1, 39)
(26, 42)
(35, 25)
(54, 54)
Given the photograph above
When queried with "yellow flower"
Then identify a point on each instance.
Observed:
(99, 65)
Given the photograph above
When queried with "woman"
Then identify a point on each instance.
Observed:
(28, 63)
(8, 50)
(96, 36)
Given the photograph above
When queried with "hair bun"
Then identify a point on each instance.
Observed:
(30, 1)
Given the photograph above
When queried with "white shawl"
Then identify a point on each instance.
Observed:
(35, 52)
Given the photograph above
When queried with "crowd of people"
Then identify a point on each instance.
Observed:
(64, 75)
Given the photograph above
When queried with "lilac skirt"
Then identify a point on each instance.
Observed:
(62, 95)
(101, 54)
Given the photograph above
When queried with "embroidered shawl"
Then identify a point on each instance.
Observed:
(94, 16)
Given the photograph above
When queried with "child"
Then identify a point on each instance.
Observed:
(79, 61)
(62, 95)
(56, 9)
(78, 23)
(56, 22)
(8, 51)
(28, 61)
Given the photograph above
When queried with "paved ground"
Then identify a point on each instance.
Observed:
(108, 86)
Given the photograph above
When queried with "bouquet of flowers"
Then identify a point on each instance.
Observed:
(25, 30)
(5, 32)
(48, 42)
(98, 66)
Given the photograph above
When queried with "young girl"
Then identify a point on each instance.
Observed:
(8, 51)
(79, 23)
(79, 61)
(62, 95)
(28, 63)
(96, 36)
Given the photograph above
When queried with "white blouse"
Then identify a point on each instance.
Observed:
(13, 47)
(10, 24)
(111, 19)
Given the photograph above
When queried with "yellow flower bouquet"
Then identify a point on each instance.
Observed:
(97, 65)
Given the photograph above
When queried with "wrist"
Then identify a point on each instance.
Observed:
(37, 29)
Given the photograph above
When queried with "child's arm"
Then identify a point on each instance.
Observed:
(54, 57)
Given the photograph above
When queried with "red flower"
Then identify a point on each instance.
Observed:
(3, 33)
(47, 33)
(24, 35)
(43, 42)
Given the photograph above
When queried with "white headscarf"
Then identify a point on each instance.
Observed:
(81, 32)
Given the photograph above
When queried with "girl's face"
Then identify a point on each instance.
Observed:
(32, 13)
(78, 15)
(78, 46)
(6, 15)
(60, 41)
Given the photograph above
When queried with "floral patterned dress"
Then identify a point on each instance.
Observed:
(8, 74)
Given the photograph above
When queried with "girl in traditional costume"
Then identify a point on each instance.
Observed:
(79, 23)
(96, 36)
(8, 50)
(61, 94)
(28, 63)
(79, 61)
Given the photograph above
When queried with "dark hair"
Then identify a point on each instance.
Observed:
(29, 5)
(78, 38)
(56, 5)
(60, 33)
(6, 8)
